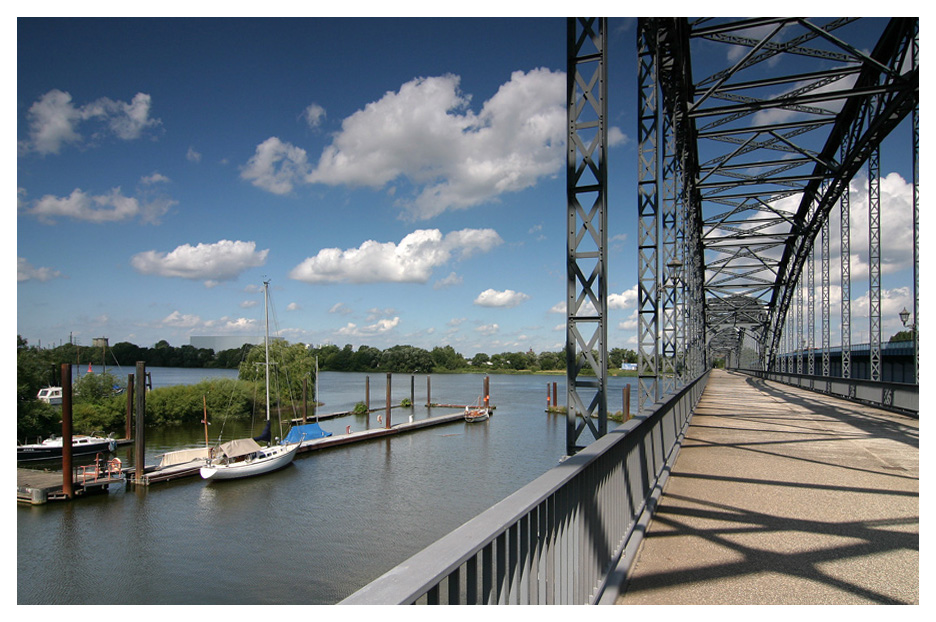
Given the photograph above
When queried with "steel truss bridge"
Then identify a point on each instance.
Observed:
(753, 134)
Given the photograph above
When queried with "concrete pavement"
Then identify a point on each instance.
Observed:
(785, 496)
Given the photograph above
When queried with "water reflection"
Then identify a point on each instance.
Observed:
(311, 533)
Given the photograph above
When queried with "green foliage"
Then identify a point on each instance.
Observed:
(447, 359)
(106, 416)
(97, 388)
(904, 335)
(290, 364)
(360, 408)
(34, 370)
(406, 360)
(406, 403)
(225, 398)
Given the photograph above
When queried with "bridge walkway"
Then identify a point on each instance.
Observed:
(784, 496)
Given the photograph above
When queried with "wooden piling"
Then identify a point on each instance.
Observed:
(555, 396)
(387, 418)
(487, 391)
(428, 391)
(67, 487)
(140, 432)
(367, 392)
(627, 392)
(128, 423)
(412, 390)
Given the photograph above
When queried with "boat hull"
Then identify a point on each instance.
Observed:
(477, 416)
(25, 453)
(275, 458)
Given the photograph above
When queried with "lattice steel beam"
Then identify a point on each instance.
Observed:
(586, 192)
(874, 261)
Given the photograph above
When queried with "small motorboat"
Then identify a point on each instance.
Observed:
(51, 448)
(478, 414)
(50, 395)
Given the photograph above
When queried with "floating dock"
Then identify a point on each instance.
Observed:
(39, 487)
(152, 475)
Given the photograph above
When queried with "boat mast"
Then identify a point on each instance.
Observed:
(266, 343)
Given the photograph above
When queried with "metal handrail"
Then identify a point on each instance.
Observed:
(560, 538)
(898, 396)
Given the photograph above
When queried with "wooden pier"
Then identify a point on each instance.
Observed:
(153, 475)
(39, 487)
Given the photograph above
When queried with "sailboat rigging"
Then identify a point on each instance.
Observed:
(245, 457)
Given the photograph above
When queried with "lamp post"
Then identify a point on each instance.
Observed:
(904, 318)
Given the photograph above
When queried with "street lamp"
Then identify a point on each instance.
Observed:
(904, 316)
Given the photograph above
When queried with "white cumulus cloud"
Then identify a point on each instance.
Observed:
(54, 120)
(221, 261)
(410, 261)
(276, 166)
(113, 206)
(379, 327)
(507, 298)
(27, 272)
(426, 134)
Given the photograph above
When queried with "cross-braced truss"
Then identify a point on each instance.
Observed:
(769, 120)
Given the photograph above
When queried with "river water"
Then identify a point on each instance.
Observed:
(312, 533)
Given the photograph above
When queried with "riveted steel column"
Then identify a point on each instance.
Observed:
(915, 50)
(647, 207)
(826, 286)
(811, 311)
(845, 259)
(874, 260)
(586, 192)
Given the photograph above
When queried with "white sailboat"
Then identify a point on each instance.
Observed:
(244, 457)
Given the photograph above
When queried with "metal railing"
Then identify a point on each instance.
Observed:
(890, 395)
(568, 537)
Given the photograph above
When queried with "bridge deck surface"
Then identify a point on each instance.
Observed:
(785, 496)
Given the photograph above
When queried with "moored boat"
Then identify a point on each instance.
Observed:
(51, 448)
(244, 457)
(478, 413)
(50, 395)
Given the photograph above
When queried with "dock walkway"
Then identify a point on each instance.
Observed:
(785, 496)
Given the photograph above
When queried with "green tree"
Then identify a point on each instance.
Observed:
(34, 370)
(904, 335)
(551, 360)
(446, 358)
(290, 364)
(366, 359)
(97, 388)
(406, 359)
(480, 359)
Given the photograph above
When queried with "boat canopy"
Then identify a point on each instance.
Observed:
(305, 432)
(182, 456)
(239, 447)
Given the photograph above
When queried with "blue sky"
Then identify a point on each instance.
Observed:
(390, 177)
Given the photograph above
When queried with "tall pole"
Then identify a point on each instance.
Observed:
(128, 425)
(266, 344)
(387, 422)
(67, 487)
(140, 432)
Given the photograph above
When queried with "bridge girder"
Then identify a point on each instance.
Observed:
(765, 155)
